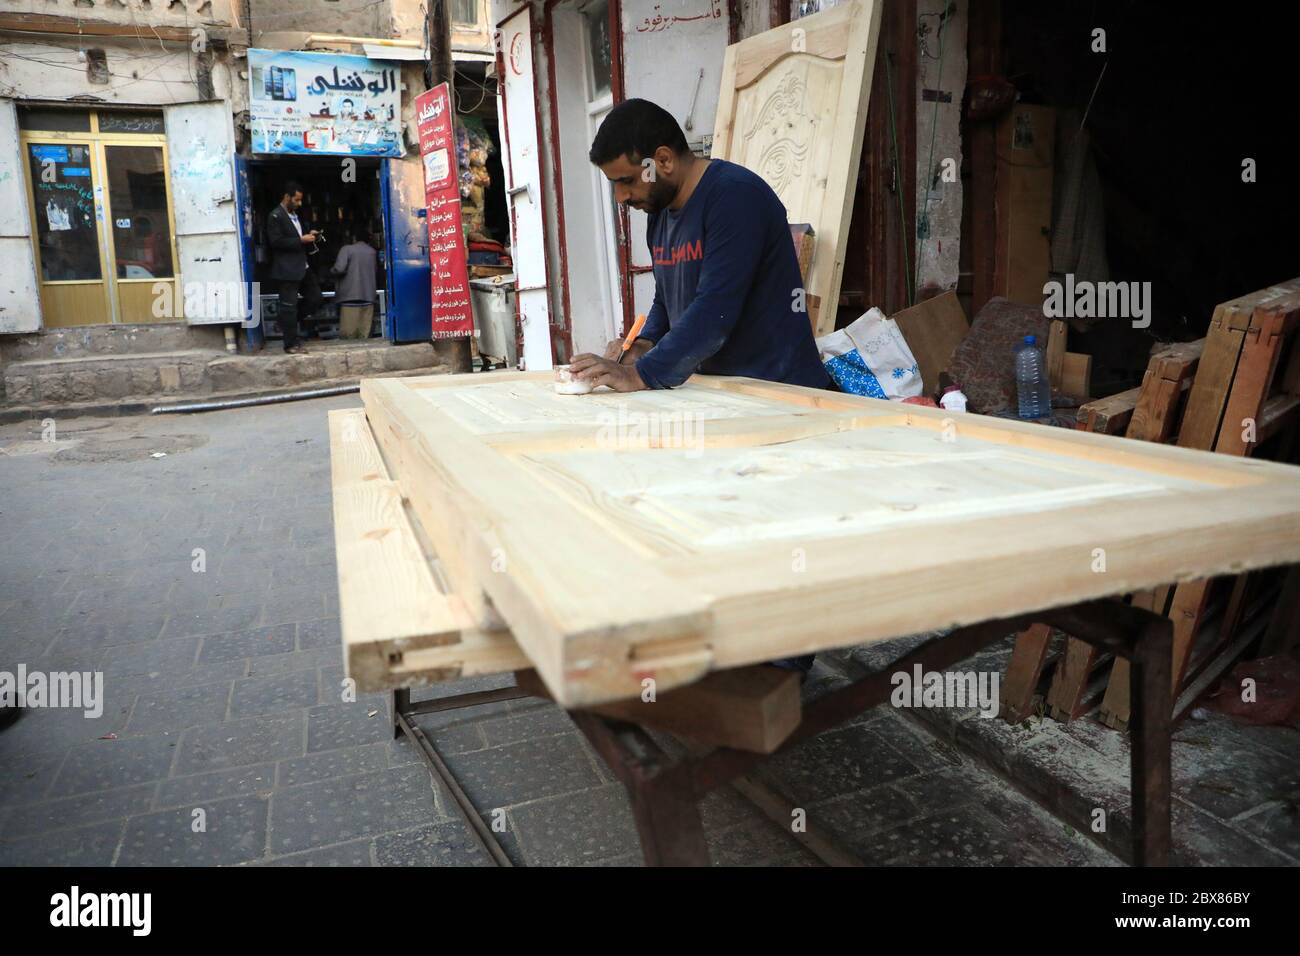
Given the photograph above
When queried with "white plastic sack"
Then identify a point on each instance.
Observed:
(871, 357)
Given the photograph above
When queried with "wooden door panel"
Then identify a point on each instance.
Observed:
(733, 521)
(793, 109)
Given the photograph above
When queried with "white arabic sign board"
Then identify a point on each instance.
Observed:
(324, 104)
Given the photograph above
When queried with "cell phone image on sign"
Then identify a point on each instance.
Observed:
(436, 166)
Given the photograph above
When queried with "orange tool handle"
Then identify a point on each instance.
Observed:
(637, 326)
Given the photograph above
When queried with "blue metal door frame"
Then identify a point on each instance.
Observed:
(406, 247)
(253, 337)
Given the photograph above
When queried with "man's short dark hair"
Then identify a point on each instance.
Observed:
(636, 128)
(292, 188)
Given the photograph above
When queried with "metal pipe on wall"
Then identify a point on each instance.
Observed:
(254, 400)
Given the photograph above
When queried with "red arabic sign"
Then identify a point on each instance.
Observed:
(448, 266)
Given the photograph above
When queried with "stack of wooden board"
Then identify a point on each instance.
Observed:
(1230, 393)
(486, 524)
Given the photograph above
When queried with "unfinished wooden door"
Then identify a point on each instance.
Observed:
(665, 534)
(793, 109)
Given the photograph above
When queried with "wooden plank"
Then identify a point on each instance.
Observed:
(749, 708)
(793, 108)
(578, 604)
(1218, 364)
(1111, 415)
(1070, 680)
(1259, 336)
(1154, 410)
(933, 330)
(1177, 360)
(390, 604)
(1055, 351)
(1076, 375)
(1114, 710)
(1261, 349)
(624, 559)
(1023, 671)
(1064, 699)
(1025, 146)
(1169, 374)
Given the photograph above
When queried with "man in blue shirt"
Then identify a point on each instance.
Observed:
(728, 296)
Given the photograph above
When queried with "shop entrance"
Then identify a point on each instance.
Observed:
(101, 214)
(341, 198)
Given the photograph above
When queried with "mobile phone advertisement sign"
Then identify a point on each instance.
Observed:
(324, 104)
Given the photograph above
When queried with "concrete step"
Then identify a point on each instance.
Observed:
(109, 340)
(114, 408)
(200, 372)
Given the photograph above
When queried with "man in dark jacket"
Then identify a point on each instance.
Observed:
(289, 241)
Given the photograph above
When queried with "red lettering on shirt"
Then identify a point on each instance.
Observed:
(686, 252)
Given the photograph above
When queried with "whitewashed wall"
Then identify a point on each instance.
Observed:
(141, 74)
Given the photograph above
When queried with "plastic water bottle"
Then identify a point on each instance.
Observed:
(1032, 386)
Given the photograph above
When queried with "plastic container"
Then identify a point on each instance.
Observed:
(566, 384)
(954, 399)
(1033, 389)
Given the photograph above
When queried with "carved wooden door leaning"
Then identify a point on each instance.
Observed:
(793, 108)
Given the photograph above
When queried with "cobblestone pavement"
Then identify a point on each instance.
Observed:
(224, 738)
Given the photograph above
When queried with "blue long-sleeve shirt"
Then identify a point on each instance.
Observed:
(728, 296)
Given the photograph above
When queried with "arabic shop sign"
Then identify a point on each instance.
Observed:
(659, 23)
(324, 104)
(453, 316)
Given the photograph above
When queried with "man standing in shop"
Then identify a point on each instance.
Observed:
(290, 242)
(355, 289)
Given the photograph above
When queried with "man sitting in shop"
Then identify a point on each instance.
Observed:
(355, 290)
(729, 299)
(289, 242)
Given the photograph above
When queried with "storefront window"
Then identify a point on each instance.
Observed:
(465, 12)
(65, 211)
(137, 191)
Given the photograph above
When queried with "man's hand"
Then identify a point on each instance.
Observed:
(309, 237)
(602, 371)
(637, 349)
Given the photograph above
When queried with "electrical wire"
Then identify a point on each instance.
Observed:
(81, 69)
(473, 82)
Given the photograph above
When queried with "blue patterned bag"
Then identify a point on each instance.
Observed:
(870, 357)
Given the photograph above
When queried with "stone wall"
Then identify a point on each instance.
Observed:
(172, 13)
(346, 17)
